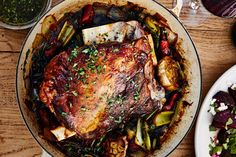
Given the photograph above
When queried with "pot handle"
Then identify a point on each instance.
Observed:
(177, 9)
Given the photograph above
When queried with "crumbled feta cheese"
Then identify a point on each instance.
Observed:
(222, 107)
(213, 101)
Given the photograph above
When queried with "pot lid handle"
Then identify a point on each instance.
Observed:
(177, 9)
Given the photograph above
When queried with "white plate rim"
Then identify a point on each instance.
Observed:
(205, 105)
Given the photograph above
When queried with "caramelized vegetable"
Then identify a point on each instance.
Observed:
(153, 54)
(66, 33)
(168, 73)
(172, 37)
(147, 139)
(88, 14)
(116, 14)
(53, 46)
(163, 118)
(139, 137)
(62, 133)
(164, 44)
(171, 101)
(130, 133)
(47, 134)
(37, 40)
(150, 22)
(47, 23)
(154, 29)
(116, 147)
(179, 108)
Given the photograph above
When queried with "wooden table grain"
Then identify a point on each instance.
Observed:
(211, 35)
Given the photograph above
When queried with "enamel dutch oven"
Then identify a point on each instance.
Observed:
(186, 47)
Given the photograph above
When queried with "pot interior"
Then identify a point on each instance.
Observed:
(185, 43)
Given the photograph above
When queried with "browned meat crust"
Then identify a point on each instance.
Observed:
(94, 89)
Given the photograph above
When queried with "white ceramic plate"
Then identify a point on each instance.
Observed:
(202, 133)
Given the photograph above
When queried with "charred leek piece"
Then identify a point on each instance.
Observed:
(154, 28)
(176, 115)
(46, 24)
(139, 138)
(150, 22)
(154, 143)
(147, 139)
(163, 118)
(39, 38)
(66, 33)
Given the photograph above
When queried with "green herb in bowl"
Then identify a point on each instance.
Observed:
(22, 12)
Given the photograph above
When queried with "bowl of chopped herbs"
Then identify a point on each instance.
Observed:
(22, 14)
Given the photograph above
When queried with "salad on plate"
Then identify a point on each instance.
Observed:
(223, 109)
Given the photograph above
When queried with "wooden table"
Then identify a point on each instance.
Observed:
(212, 37)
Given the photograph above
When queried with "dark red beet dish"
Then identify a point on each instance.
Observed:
(223, 107)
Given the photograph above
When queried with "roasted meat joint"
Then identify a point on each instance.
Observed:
(95, 89)
(107, 81)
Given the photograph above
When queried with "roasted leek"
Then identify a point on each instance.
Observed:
(163, 118)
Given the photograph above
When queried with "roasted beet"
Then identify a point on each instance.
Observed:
(232, 92)
(88, 14)
(172, 101)
(223, 119)
(226, 153)
(224, 97)
(222, 136)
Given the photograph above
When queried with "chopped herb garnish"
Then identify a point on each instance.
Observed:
(99, 68)
(63, 114)
(81, 71)
(94, 82)
(119, 120)
(83, 108)
(74, 93)
(91, 51)
(136, 95)
(115, 100)
(106, 34)
(85, 51)
(66, 87)
(83, 80)
(115, 50)
(119, 99)
(74, 65)
(70, 104)
(18, 12)
(73, 54)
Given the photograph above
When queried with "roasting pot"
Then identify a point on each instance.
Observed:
(186, 46)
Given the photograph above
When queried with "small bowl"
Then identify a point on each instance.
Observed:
(29, 23)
